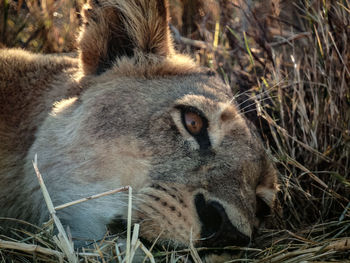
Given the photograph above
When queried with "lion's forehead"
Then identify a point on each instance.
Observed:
(127, 104)
(139, 109)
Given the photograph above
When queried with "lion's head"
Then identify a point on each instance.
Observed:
(151, 118)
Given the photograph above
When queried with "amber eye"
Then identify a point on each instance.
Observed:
(194, 123)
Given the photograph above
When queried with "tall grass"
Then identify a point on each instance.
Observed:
(41, 26)
(300, 85)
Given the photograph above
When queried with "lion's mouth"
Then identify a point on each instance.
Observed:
(204, 248)
(207, 254)
(118, 226)
(177, 218)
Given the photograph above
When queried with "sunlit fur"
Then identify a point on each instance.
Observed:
(111, 118)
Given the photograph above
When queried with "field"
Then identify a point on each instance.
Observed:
(288, 64)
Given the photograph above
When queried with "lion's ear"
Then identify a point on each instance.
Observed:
(266, 190)
(113, 29)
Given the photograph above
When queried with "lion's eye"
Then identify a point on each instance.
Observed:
(194, 123)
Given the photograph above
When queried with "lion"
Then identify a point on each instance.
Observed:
(130, 110)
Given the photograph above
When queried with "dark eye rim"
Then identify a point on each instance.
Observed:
(190, 109)
(202, 136)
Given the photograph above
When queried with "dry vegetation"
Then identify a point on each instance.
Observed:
(288, 62)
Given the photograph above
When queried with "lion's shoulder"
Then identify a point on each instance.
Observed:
(28, 89)
(16, 62)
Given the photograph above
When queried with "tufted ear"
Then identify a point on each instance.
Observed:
(266, 190)
(116, 28)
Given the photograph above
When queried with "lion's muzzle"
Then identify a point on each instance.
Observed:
(217, 230)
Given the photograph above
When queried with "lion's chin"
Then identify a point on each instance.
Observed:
(118, 226)
(207, 255)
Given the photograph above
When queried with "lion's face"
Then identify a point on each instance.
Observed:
(196, 168)
(150, 118)
(204, 174)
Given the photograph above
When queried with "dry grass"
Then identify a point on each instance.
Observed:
(289, 64)
(41, 26)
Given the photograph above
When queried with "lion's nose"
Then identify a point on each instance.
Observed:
(217, 230)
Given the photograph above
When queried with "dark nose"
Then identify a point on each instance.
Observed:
(217, 229)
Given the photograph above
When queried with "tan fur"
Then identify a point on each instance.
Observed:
(146, 27)
(114, 117)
